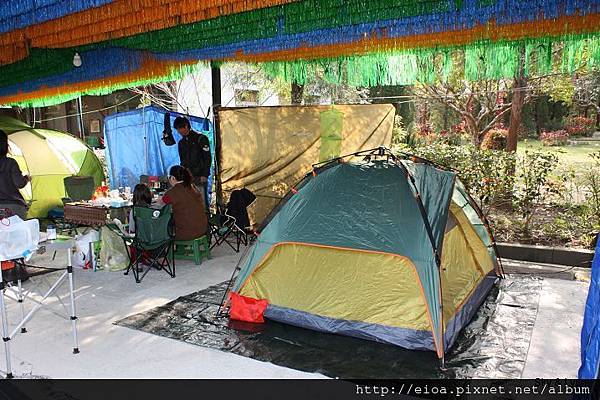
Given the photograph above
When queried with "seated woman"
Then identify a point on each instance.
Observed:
(11, 180)
(189, 213)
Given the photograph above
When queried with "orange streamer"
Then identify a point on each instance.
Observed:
(118, 19)
(539, 29)
(150, 68)
(492, 31)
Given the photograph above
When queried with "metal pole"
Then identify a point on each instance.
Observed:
(38, 305)
(80, 118)
(20, 301)
(72, 298)
(216, 105)
(5, 336)
(93, 260)
(146, 165)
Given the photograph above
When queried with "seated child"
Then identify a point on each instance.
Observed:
(142, 197)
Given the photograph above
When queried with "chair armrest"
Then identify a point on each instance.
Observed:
(119, 229)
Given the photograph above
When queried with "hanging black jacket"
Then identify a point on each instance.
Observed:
(238, 205)
(194, 154)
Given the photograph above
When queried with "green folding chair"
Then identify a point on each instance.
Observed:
(152, 243)
(77, 188)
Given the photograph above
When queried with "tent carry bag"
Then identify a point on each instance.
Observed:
(247, 309)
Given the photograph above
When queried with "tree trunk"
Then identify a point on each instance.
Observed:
(598, 115)
(536, 118)
(446, 118)
(516, 109)
(297, 93)
(516, 114)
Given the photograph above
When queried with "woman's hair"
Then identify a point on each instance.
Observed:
(181, 174)
(142, 197)
(3, 144)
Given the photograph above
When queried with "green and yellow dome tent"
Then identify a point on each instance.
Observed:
(49, 157)
(387, 249)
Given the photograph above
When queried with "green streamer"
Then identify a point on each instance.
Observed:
(175, 74)
(482, 60)
(40, 63)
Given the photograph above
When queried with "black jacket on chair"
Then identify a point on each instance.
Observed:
(237, 206)
(194, 154)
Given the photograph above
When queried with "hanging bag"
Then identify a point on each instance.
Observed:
(168, 138)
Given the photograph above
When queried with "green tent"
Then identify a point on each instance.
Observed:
(48, 157)
(388, 250)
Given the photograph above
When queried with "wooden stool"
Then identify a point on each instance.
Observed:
(192, 249)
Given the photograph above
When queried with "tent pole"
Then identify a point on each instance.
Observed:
(146, 168)
(225, 300)
(80, 118)
(216, 106)
(436, 253)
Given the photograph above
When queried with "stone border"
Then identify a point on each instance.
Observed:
(546, 255)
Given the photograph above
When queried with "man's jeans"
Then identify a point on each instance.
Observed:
(203, 187)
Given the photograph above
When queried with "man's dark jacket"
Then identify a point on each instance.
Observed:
(194, 154)
(11, 180)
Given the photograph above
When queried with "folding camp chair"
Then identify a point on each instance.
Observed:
(231, 226)
(152, 242)
(77, 188)
(223, 229)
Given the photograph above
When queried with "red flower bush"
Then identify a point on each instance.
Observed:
(580, 126)
(555, 138)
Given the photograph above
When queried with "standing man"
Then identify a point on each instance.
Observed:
(11, 180)
(194, 154)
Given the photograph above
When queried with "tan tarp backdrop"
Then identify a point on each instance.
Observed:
(269, 149)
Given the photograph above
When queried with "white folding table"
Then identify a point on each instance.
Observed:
(67, 273)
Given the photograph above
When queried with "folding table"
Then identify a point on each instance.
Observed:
(67, 273)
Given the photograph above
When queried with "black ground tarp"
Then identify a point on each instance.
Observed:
(493, 345)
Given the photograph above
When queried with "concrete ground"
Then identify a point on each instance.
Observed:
(110, 351)
(554, 351)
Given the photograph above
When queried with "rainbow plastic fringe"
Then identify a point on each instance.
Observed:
(364, 42)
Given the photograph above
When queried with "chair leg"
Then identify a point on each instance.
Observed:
(133, 266)
(173, 266)
(165, 254)
(196, 250)
(170, 265)
(206, 249)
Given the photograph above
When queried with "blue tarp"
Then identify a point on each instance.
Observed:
(134, 144)
(590, 333)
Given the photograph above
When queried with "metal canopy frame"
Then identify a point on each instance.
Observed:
(67, 274)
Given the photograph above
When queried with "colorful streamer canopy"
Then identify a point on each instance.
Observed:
(126, 43)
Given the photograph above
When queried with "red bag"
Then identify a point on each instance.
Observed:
(6, 265)
(247, 309)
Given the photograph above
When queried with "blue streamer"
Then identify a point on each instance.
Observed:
(107, 62)
(503, 12)
(16, 14)
(96, 64)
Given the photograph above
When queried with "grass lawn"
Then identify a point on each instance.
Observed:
(577, 156)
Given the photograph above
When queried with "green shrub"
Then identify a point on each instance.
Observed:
(532, 172)
(487, 174)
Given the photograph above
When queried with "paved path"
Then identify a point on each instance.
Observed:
(109, 351)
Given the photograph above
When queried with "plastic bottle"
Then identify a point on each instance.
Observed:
(51, 232)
